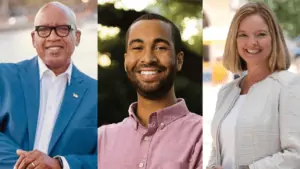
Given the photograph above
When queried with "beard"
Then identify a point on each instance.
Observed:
(154, 90)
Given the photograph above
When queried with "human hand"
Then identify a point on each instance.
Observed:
(35, 160)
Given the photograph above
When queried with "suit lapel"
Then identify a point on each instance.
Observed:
(72, 98)
(228, 96)
(231, 97)
(29, 75)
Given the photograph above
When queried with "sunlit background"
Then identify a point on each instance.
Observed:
(114, 18)
(217, 19)
(16, 24)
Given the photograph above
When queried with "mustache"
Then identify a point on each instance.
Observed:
(150, 65)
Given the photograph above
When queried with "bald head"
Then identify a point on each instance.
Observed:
(53, 7)
(59, 22)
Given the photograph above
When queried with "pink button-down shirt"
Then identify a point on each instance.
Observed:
(173, 140)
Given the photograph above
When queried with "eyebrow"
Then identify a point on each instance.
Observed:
(159, 40)
(135, 41)
(262, 30)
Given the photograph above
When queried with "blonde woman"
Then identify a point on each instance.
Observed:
(257, 120)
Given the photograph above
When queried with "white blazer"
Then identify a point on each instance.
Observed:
(268, 125)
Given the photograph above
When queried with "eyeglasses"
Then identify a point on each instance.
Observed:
(61, 30)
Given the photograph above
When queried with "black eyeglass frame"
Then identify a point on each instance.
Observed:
(55, 30)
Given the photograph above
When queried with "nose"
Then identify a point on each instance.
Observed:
(253, 40)
(149, 56)
(53, 35)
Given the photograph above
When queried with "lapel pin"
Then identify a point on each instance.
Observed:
(75, 95)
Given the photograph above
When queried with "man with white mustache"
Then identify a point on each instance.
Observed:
(47, 106)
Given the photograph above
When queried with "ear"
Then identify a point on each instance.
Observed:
(78, 37)
(125, 62)
(179, 57)
(32, 39)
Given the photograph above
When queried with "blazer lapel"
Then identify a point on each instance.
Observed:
(72, 98)
(229, 99)
(29, 75)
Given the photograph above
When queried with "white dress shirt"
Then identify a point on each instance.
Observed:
(227, 133)
(52, 89)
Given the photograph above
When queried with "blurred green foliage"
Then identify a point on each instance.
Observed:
(176, 11)
(115, 91)
(288, 14)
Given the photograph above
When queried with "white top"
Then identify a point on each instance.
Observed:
(227, 134)
(52, 89)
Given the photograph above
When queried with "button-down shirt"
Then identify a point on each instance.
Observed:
(172, 140)
(52, 89)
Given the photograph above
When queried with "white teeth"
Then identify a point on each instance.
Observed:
(252, 51)
(148, 72)
(54, 48)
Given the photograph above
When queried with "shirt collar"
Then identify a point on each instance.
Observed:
(43, 68)
(162, 117)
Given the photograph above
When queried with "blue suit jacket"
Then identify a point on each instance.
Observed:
(75, 132)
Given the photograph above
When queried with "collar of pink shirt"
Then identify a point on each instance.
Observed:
(162, 117)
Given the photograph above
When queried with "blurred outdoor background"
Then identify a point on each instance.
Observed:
(16, 24)
(217, 15)
(114, 18)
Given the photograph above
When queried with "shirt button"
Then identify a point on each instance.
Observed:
(162, 125)
(141, 165)
(153, 125)
(146, 138)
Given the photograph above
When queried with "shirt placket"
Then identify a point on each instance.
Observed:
(146, 142)
(49, 113)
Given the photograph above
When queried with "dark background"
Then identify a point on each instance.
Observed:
(114, 90)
